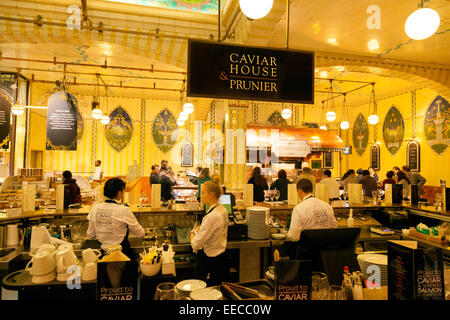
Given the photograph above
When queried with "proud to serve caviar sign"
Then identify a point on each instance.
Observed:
(251, 73)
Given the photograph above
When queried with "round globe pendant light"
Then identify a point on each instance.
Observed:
(323, 127)
(256, 9)
(104, 120)
(180, 123)
(96, 114)
(331, 116)
(345, 125)
(17, 110)
(183, 116)
(286, 113)
(373, 119)
(422, 23)
(188, 108)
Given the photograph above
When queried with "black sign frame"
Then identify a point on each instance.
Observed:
(375, 157)
(187, 160)
(5, 124)
(328, 160)
(413, 155)
(286, 81)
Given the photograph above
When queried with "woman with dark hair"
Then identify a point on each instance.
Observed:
(389, 179)
(202, 178)
(281, 184)
(403, 180)
(110, 221)
(348, 177)
(72, 189)
(259, 184)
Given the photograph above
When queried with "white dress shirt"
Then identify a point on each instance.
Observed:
(333, 187)
(98, 173)
(311, 213)
(108, 223)
(212, 235)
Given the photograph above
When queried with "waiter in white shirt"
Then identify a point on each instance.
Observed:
(333, 186)
(311, 213)
(110, 222)
(210, 239)
(98, 172)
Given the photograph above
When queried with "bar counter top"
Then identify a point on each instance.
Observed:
(428, 211)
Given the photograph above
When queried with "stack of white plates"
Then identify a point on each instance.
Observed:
(371, 260)
(256, 222)
(186, 287)
(206, 294)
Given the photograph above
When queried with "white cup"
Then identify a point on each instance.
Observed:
(42, 264)
(65, 246)
(69, 258)
(89, 272)
(91, 255)
(46, 247)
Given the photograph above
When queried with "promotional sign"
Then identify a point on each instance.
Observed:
(249, 73)
(119, 130)
(393, 130)
(293, 280)
(437, 125)
(164, 130)
(413, 155)
(5, 116)
(62, 121)
(117, 281)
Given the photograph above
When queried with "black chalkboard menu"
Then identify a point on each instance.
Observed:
(414, 273)
(375, 156)
(413, 155)
(328, 160)
(218, 70)
(62, 121)
(5, 115)
(187, 154)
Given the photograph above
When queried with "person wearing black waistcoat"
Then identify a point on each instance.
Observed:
(259, 184)
(110, 222)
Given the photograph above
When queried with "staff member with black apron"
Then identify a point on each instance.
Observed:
(110, 222)
(210, 239)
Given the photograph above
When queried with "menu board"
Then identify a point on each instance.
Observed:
(117, 281)
(187, 154)
(5, 115)
(413, 155)
(328, 160)
(250, 73)
(62, 120)
(414, 273)
(375, 157)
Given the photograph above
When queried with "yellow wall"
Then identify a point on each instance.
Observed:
(433, 166)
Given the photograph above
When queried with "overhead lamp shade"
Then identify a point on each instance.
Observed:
(323, 127)
(188, 108)
(331, 116)
(345, 125)
(256, 9)
(17, 110)
(183, 116)
(422, 23)
(373, 119)
(104, 120)
(96, 114)
(286, 113)
(180, 123)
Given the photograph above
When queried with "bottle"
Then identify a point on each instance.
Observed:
(348, 286)
(357, 286)
(350, 221)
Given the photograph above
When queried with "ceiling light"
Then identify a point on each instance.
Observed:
(345, 125)
(17, 110)
(323, 74)
(331, 116)
(332, 41)
(373, 119)
(104, 120)
(373, 45)
(180, 123)
(96, 113)
(256, 9)
(422, 23)
(323, 127)
(188, 108)
(183, 116)
(286, 113)
(340, 68)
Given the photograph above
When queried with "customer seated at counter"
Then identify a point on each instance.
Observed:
(402, 179)
(167, 180)
(348, 177)
(373, 174)
(369, 184)
(415, 178)
(281, 184)
(333, 186)
(154, 176)
(311, 213)
(73, 190)
(389, 179)
(110, 222)
(209, 240)
(259, 184)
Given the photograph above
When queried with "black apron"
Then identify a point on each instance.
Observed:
(126, 247)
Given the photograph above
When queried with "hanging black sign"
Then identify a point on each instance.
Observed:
(62, 121)
(413, 155)
(187, 154)
(249, 73)
(328, 160)
(5, 115)
(375, 157)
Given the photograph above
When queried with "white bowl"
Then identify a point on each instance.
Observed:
(206, 294)
(278, 236)
(150, 270)
(185, 287)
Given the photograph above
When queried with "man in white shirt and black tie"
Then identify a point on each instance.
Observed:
(210, 239)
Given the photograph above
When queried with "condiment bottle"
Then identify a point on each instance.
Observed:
(357, 287)
(350, 221)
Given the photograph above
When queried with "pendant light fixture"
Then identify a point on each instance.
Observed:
(344, 123)
(286, 113)
(255, 9)
(183, 116)
(188, 108)
(105, 118)
(323, 126)
(180, 123)
(422, 23)
(331, 115)
(373, 118)
(17, 110)
(96, 113)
